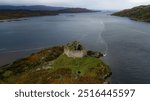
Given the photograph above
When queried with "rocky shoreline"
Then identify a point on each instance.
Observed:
(65, 64)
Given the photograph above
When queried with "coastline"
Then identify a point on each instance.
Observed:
(49, 65)
(16, 14)
(139, 13)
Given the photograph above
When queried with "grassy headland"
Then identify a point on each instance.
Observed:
(140, 13)
(52, 66)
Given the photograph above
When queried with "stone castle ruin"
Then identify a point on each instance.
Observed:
(75, 50)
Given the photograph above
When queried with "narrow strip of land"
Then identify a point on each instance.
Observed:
(14, 14)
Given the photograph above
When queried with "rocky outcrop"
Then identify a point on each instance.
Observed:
(94, 54)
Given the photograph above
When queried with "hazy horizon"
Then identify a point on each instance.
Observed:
(90, 4)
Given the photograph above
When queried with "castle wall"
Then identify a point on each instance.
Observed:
(75, 53)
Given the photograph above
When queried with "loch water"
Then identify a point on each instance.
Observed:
(126, 43)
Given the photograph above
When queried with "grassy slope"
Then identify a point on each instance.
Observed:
(140, 13)
(83, 70)
(24, 70)
(64, 69)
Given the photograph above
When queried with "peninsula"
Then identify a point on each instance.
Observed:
(64, 64)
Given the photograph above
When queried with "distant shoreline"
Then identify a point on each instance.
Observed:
(140, 13)
(15, 14)
(21, 13)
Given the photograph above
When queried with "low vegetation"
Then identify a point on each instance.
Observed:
(14, 14)
(30, 64)
(140, 13)
(20, 13)
(52, 66)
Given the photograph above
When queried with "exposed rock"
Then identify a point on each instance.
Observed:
(94, 54)
(48, 65)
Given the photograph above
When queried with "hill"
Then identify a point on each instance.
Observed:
(140, 13)
(74, 10)
(57, 65)
(14, 14)
(34, 7)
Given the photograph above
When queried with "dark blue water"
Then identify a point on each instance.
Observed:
(126, 42)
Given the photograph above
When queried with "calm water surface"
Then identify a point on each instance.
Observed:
(126, 43)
